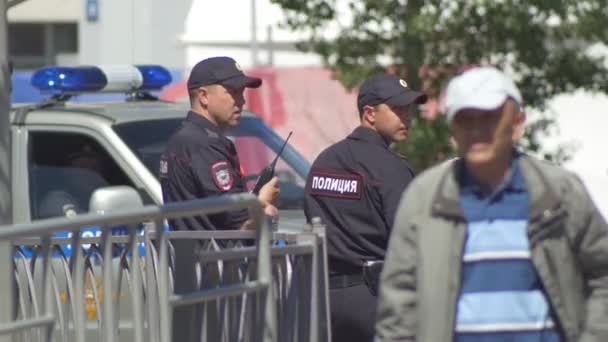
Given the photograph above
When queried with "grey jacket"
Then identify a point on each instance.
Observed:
(421, 278)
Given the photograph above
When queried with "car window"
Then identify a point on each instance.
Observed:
(64, 171)
(252, 140)
(255, 155)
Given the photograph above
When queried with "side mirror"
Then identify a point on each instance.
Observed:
(114, 197)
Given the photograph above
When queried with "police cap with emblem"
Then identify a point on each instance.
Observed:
(220, 70)
(387, 89)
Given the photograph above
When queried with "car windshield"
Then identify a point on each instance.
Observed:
(255, 142)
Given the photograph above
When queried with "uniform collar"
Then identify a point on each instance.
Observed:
(204, 123)
(368, 135)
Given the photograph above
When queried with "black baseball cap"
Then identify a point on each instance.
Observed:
(387, 89)
(220, 70)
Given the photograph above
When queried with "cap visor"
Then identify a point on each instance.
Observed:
(483, 102)
(407, 97)
(242, 81)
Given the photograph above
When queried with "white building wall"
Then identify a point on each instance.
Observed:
(134, 31)
(224, 28)
(244, 56)
(42, 11)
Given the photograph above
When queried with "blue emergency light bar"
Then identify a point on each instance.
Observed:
(62, 79)
(118, 78)
(154, 77)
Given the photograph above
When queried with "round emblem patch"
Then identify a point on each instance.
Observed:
(238, 67)
(222, 175)
(403, 83)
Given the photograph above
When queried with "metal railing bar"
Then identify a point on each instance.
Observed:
(136, 286)
(77, 264)
(151, 288)
(212, 235)
(122, 268)
(95, 293)
(251, 252)
(206, 206)
(264, 274)
(122, 326)
(30, 287)
(46, 291)
(163, 285)
(301, 269)
(320, 231)
(6, 285)
(36, 310)
(314, 292)
(14, 326)
(109, 332)
(173, 235)
(281, 284)
(33, 241)
(23, 301)
(91, 293)
(286, 278)
(230, 254)
(296, 250)
(60, 313)
(202, 296)
(232, 306)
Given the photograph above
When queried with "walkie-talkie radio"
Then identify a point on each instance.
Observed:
(268, 172)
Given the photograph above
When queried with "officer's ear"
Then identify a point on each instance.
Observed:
(198, 97)
(368, 115)
(203, 95)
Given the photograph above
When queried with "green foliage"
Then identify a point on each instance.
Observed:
(544, 43)
(430, 136)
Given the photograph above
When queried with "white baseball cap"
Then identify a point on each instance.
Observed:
(483, 88)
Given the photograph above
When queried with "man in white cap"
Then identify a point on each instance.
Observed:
(496, 245)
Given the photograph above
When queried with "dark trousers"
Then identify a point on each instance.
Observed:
(353, 314)
(186, 319)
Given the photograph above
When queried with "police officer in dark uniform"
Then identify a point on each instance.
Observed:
(199, 161)
(354, 186)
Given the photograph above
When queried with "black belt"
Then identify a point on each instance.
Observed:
(339, 281)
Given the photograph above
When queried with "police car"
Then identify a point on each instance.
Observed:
(64, 151)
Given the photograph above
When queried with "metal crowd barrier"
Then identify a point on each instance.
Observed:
(251, 285)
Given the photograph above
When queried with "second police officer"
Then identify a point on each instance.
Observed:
(354, 187)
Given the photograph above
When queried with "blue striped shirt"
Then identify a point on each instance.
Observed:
(501, 296)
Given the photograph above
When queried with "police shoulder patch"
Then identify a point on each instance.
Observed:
(335, 183)
(222, 175)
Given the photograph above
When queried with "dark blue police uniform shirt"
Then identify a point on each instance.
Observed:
(199, 162)
(354, 186)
